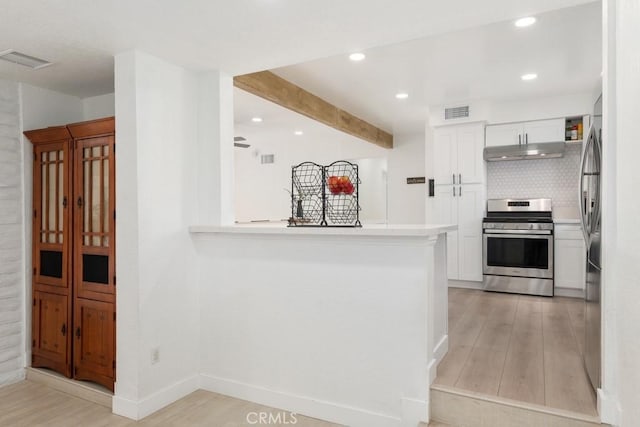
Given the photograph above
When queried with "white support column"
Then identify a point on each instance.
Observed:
(127, 238)
(215, 149)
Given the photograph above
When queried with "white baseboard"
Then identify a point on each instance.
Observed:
(137, 410)
(414, 412)
(465, 284)
(303, 405)
(608, 408)
(438, 353)
(568, 292)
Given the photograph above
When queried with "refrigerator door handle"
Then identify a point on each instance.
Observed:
(584, 207)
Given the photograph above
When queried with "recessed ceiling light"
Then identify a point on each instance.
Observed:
(357, 56)
(256, 119)
(402, 95)
(503, 157)
(298, 132)
(529, 76)
(543, 154)
(525, 22)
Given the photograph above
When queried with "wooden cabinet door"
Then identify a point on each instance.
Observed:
(94, 341)
(507, 134)
(445, 155)
(446, 212)
(94, 221)
(470, 164)
(51, 332)
(470, 213)
(541, 131)
(51, 214)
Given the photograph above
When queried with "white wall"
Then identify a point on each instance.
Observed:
(372, 191)
(261, 189)
(621, 210)
(342, 328)
(406, 204)
(157, 301)
(97, 107)
(504, 111)
(12, 273)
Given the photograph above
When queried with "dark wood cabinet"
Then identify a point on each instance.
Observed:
(94, 347)
(74, 250)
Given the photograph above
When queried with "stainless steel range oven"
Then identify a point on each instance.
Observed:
(518, 246)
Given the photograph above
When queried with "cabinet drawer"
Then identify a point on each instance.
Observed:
(568, 233)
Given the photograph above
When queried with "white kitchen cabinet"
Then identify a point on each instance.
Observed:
(536, 131)
(570, 256)
(459, 198)
(507, 134)
(471, 204)
(462, 205)
(458, 154)
(541, 131)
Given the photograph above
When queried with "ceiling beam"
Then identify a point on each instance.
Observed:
(271, 87)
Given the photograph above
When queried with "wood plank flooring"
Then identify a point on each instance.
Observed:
(518, 347)
(29, 404)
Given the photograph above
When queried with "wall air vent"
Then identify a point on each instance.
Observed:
(456, 112)
(22, 59)
(266, 159)
(237, 142)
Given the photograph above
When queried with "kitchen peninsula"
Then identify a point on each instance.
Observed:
(341, 324)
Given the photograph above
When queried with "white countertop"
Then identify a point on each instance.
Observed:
(278, 228)
(566, 215)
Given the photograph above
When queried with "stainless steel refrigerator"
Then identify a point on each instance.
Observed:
(590, 200)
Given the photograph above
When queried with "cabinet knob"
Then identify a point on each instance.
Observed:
(78, 332)
(64, 329)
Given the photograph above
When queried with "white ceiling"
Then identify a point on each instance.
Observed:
(564, 48)
(237, 36)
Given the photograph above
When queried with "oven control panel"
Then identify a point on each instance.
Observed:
(517, 226)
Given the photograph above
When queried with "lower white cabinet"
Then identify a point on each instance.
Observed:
(570, 257)
(462, 205)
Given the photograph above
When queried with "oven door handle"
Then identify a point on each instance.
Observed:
(519, 233)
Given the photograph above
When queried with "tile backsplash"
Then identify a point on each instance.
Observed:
(556, 179)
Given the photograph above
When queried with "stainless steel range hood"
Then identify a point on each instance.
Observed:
(551, 150)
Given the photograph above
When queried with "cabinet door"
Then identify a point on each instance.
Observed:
(51, 217)
(541, 131)
(570, 264)
(94, 347)
(446, 210)
(51, 332)
(94, 195)
(470, 168)
(470, 214)
(445, 154)
(507, 134)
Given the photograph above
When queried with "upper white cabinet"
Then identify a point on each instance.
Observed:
(458, 154)
(537, 131)
(509, 134)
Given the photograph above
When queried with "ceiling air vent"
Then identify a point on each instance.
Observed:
(22, 59)
(237, 142)
(456, 112)
(266, 159)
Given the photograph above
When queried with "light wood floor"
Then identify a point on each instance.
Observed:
(518, 347)
(32, 404)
